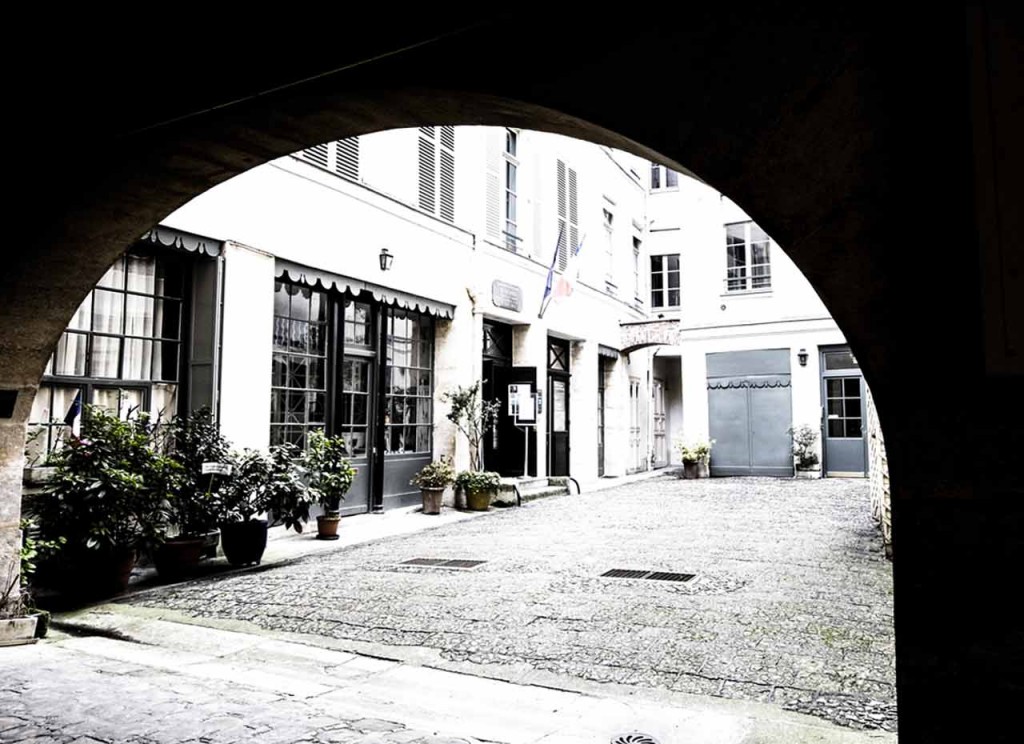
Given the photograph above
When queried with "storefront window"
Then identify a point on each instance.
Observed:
(408, 416)
(298, 402)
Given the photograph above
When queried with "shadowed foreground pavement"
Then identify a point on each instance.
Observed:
(791, 603)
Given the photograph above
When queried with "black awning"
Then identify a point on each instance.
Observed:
(168, 237)
(299, 274)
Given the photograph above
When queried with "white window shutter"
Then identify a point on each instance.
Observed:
(447, 184)
(346, 158)
(427, 170)
(492, 187)
(317, 155)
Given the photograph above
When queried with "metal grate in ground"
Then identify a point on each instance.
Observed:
(627, 573)
(442, 562)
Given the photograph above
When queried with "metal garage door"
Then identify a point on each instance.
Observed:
(750, 412)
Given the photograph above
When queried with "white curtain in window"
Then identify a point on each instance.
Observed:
(142, 274)
(106, 312)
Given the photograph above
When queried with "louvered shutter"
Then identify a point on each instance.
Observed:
(346, 158)
(574, 235)
(317, 155)
(492, 188)
(447, 186)
(427, 170)
(563, 213)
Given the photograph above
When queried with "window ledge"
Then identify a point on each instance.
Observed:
(747, 293)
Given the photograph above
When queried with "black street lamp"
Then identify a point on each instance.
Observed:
(801, 356)
(385, 259)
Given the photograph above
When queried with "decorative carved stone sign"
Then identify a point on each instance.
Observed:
(506, 295)
(649, 333)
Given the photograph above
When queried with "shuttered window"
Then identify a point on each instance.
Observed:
(340, 157)
(568, 213)
(436, 154)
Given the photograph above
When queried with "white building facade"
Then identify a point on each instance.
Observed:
(268, 300)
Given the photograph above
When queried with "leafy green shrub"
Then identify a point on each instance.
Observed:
(192, 440)
(694, 452)
(478, 480)
(805, 438)
(111, 489)
(328, 470)
(436, 474)
(265, 483)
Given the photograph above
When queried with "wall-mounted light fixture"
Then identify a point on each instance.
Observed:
(385, 259)
(801, 356)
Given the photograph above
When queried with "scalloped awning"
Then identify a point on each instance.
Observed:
(749, 381)
(320, 279)
(168, 237)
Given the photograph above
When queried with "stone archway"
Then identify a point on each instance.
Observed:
(812, 121)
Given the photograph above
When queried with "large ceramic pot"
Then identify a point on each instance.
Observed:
(244, 542)
(92, 574)
(479, 500)
(432, 500)
(179, 556)
(327, 526)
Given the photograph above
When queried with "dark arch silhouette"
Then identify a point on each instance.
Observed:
(881, 150)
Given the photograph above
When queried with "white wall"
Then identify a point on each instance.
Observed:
(246, 351)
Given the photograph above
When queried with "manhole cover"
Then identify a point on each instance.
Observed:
(628, 573)
(634, 739)
(442, 562)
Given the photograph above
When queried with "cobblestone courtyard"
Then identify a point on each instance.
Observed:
(791, 602)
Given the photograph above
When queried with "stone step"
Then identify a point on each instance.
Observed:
(507, 496)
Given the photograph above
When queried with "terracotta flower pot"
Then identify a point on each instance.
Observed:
(327, 527)
(432, 500)
(479, 500)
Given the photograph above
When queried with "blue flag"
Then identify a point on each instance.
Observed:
(546, 299)
(74, 412)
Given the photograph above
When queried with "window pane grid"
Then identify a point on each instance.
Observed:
(408, 400)
(665, 278)
(748, 264)
(845, 420)
(298, 399)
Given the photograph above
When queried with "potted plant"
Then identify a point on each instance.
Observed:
(17, 623)
(108, 499)
(805, 451)
(260, 483)
(432, 479)
(192, 441)
(695, 456)
(480, 487)
(329, 475)
(472, 417)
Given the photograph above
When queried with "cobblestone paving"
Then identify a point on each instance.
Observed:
(70, 698)
(791, 604)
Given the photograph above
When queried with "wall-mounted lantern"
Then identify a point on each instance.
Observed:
(385, 259)
(801, 356)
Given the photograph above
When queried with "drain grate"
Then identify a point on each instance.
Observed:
(626, 573)
(636, 738)
(442, 562)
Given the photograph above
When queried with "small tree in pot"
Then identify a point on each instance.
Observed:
(432, 479)
(260, 483)
(192, 441)
(805, 451)
(329, 473)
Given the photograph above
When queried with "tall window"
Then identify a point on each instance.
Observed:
(748, 266)
(665, 281)
(663, 178)
(357, 376)
(609, 248)
(298, 402)
(437, 171)
(408, 405)
(636, 268)
(511, 194)
(121, 350)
